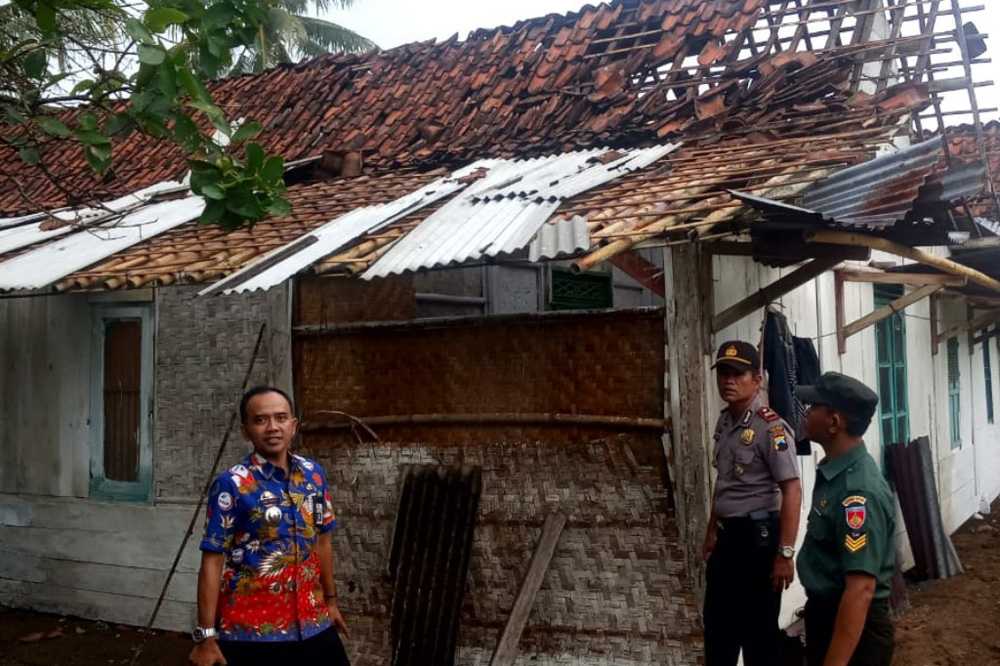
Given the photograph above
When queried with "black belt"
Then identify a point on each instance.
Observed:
(752, 517)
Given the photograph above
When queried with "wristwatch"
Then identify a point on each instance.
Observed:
(201, 634)
(787, 552)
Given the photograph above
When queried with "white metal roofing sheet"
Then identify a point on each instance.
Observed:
(564, 238)
(55, 260)
(502, 212)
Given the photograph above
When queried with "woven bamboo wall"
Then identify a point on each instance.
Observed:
(615, 591)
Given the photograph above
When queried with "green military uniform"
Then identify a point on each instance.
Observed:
(850, 530)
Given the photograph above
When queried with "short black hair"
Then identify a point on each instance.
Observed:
(854, 426)
(260, 390)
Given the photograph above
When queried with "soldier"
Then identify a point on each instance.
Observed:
(750, 541)
(848, 557)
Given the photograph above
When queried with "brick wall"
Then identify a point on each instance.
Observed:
(615, 591)
(203, 347)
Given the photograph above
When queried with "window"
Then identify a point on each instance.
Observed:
(121, 374)
(954, 394)
(580, 291)
(890, 340)
(988, 371)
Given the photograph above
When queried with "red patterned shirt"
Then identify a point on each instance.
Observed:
(267, 523)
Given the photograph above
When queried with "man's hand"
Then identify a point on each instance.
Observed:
(338, 618)
(783, 574)
(711, 537)
(206, 653)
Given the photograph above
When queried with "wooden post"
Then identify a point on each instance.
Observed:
(687, 407)
(773, 291)
(838, 295)
(506, 650)
(636, 267)
(881, 313)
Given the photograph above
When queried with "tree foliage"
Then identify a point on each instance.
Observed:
(139, 67)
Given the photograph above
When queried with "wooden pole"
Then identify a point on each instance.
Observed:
(506, 651)
(911, 279)
(900, 250)
(892, 308)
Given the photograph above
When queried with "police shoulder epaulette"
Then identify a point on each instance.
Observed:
(768, 414)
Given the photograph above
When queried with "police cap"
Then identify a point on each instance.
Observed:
(737, 354)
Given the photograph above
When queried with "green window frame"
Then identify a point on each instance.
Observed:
(988, 373)
(890, 342)
(954, 394)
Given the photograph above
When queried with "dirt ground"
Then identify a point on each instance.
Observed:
(954, 622)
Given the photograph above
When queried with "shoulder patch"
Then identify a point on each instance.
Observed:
(855, 514)
(240, 471)
(768, 414)
(855, 499)
(779, 440)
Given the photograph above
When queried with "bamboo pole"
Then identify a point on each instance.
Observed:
(495, 418)
(900, 250)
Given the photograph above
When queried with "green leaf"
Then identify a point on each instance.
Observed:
(195, 88)
(159, 18)
(88, 121)
(137, 31)
(98, 158)
(245, 204)
(54, 126)
(29, 155)
(255, 158)
(247, 131)
(219, 15)
(35, 63)
(213, 213)
(185, 131)
(151, 55)
(118, 123)
(168, 79)
(92, 138)
(279, 207)
(45, 17)
(274, 169)
(210, 191)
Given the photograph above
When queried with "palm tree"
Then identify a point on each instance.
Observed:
(291, 34)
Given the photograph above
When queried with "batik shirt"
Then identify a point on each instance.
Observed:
(267, 523)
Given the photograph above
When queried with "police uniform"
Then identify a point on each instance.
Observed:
(850, 530)
(754, 451)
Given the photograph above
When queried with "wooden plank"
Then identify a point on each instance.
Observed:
(911, 279)
(979, 322)
(110, 607)
(838, 295)
(935, 308)
(892, 308)
(919, 256)
(506, 649)
(773, 291)
(647, 274)
(788, 250)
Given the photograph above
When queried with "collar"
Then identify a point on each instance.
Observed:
(266, 469)
(832, 468)
(755, 405)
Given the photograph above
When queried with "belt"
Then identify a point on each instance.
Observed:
(752, 517)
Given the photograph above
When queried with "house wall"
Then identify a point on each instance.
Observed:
(967, 476)
(63, 552)
(616, 589)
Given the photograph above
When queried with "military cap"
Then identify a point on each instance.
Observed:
(737, 354)
(843, 393)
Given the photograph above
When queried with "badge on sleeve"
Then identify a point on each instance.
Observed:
(778, 438)
(855, 543)
(768, 414)
(747, 436)
(225, 501)
(855, 512)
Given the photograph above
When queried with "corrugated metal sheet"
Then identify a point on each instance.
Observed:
(500, 214)
(52, 261)
(16, 233)
(564, 238)
(278, 265)
(907, 184)
(877, 193)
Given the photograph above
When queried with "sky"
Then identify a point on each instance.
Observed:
(393, 22)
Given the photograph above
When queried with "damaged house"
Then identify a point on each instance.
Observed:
(508, 263)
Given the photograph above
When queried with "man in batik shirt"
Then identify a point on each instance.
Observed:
(266, 592)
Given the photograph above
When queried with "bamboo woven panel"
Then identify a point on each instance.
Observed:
(615, 590)
(321, 301)
(609, 364)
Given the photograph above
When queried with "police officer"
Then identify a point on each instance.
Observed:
(749, 544)
(848, 557)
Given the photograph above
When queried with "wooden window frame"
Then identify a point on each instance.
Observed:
(100, 486)
(889, 405)
(988, 373)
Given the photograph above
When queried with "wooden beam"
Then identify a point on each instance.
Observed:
(773, 291)
(647, 274)
(979, 322)
(506, 650)
(987, 336)
(935, 306)
(911, 279)
(919, 256)
(892, 308)
(788, 250)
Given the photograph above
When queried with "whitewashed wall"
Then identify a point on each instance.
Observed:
(967, 476)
